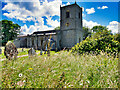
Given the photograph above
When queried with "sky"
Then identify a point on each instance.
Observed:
(40, 15)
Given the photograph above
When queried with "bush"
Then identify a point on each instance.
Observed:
(100, 41)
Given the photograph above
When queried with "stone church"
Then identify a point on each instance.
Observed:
(70, 32)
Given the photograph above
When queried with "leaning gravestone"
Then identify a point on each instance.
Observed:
(10, 51)
(31, 52)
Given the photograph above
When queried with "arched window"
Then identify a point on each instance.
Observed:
(67, 14)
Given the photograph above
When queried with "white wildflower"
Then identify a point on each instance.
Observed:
(20, 75)
(81, 83)
(88, 81)
(24, 81)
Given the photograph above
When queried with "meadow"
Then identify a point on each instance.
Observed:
(61, 70)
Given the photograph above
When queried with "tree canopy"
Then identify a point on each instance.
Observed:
(99, 28)
(86, 32)
(9, 30)
(57, 28)
(101, 40)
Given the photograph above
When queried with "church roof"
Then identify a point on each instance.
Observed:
(47, 31)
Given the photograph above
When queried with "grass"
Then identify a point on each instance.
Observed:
(20, 52)
(61, 70)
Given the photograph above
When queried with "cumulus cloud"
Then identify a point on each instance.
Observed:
(34, 11)
(68, 3)
(113, 26)
(82, 9)
(103, 7)
(89, 24)
(53, 23)
(90, 11)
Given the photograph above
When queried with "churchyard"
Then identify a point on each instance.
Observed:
(60, 70)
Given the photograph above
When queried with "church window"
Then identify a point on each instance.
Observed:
(67, 14)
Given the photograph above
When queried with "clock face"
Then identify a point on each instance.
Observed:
(67, 24)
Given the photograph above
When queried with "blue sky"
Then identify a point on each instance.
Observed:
(42, 15)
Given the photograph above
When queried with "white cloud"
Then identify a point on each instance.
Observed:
(90, 11)
(83, 15)
(34, 11)
(82, 9)
(53, 23)
(89, 24)
(113, 26)
(103, 7)
(68, 3)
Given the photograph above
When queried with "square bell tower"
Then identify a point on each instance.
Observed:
(70, 25)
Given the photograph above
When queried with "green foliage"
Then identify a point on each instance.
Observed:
(86, 32)
(99, 28)
(9, 31)
(57, 28)
(99, 41)
(117, 37)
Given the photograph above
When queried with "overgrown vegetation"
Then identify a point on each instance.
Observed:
(93, 63)
(61, 70)
(99, 41)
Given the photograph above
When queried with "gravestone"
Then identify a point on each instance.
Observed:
(10, 51)
(31, 52)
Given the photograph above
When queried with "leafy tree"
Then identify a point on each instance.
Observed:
(57, 28)
(99, 41)
(9, 31)
(86, 32)
(99, 28)
(117, 37)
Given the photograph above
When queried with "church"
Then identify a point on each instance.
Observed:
(70, 32)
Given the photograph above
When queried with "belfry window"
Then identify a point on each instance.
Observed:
(67, 14)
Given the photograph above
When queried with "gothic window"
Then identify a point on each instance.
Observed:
(67, 14)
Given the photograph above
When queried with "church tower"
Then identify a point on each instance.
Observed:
(70, 25)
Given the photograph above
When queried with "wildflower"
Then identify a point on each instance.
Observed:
(20, 75)
(88, 81)
(24, 81)
(20, 83)
(81, 83)
(49, 69)
(30, 68)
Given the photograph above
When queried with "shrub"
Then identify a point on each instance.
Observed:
(100, 41)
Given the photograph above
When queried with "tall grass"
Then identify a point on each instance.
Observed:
(61, 70)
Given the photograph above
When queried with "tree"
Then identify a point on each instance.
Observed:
(86, 32)
(57, 28)
(9, 31)
(99, 41)
(99, 28)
